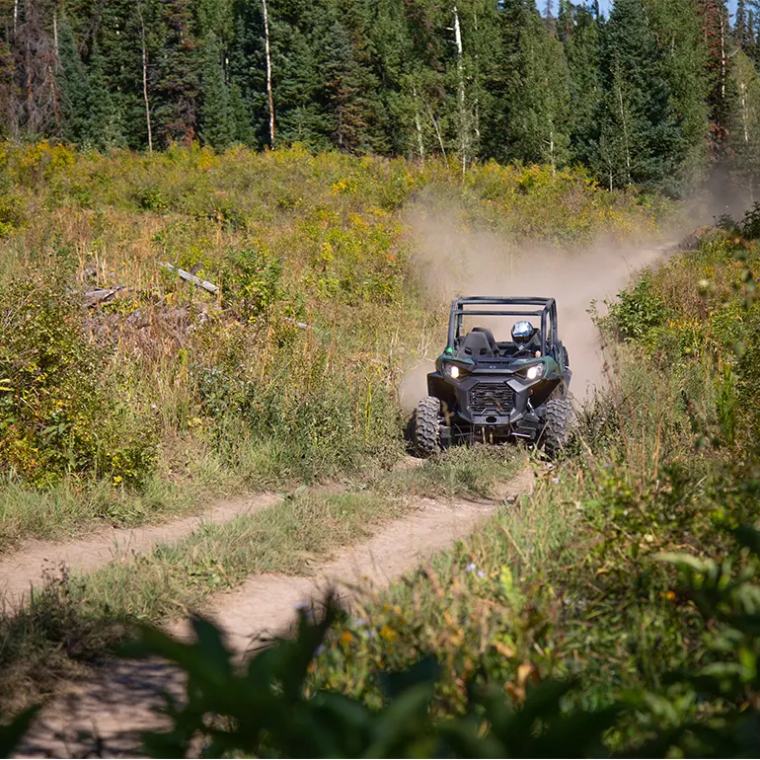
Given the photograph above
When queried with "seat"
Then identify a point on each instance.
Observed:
(477, 345)
(489, 337)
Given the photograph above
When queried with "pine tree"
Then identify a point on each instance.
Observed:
(541, 113)
(246, 73)
(639, 140)
(178, 74)
(680, 40)
(744, 140)
(106, 129)
(217, 118)
(715, 26)
(506, 79)
(117, 37)
(752, 36)
(298, 82)
(74, 86)
(407, 128)
(37, 100)
(579, 31)
(353, 110)
(741, 27)
(7, 90)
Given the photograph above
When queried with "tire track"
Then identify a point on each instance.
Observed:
(28, 567)
(119, 701)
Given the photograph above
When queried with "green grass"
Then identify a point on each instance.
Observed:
(478, 606)
(286, 538)
(458, 472)
(68, 510)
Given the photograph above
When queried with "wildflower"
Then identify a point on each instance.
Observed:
(387, 633)
(346, 637)
(471, 567)
(481, 574)
(670, 596)
(555, 481)
(358, 622)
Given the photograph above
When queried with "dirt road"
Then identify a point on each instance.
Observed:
(120, 700)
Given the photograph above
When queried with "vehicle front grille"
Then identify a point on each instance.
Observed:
(492, 397)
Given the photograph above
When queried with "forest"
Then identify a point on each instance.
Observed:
(654, 95)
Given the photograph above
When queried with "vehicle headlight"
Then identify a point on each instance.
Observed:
(453, 371)
(534, 372)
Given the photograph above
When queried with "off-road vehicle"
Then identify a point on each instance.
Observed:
(492, 390)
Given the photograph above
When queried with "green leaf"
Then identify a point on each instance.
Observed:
(424, 671)
(748, 537)
(14, 732)
(404, 719)
(575, 735)
(461, 738)
(213, 650)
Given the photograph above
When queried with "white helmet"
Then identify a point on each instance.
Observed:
(522, 332)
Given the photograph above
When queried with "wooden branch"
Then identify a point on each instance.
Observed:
(299, 325)
(209, 286)
(101, 295)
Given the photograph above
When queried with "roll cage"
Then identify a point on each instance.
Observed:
(476, 306)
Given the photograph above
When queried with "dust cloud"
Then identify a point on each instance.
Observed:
(449, 261)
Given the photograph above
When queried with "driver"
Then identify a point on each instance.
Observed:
(526, 338)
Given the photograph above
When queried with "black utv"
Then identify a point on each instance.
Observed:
(490, 391)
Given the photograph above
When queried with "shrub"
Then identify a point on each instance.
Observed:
(251, 283)
(54, 406)
(638, 311)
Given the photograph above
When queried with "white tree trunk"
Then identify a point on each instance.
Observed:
(15, 17)
(745, 125)
(145, 77)
(476, 110)
(723, 64)
(270, 92)
(626, 145)
(439, 136)
(55, 33)
(463, 137)
(551, 152)
(745, 116)
(418, 125)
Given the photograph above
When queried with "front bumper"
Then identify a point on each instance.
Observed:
(488, 407)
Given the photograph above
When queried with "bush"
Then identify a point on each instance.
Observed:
(251, 283)
(637, 312)
(54, 404)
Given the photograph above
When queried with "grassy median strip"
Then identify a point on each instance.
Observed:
(290, 537)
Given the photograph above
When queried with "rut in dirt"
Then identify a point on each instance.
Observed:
(35, 562)
(120, 700)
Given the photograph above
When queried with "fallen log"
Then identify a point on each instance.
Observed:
(205, 284)
(100, 295)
